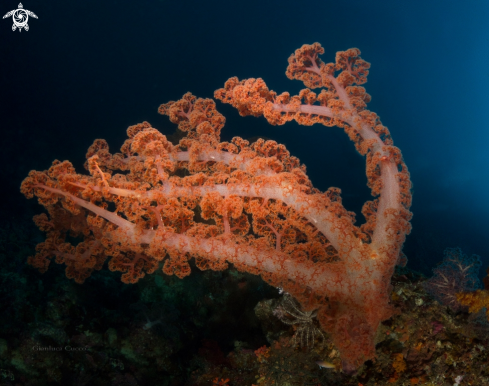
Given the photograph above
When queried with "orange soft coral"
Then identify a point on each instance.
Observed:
(476, 301)
(157, 204)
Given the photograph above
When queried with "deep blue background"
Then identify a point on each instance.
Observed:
(90, 69)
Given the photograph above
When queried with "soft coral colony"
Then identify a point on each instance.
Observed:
(251, 205)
